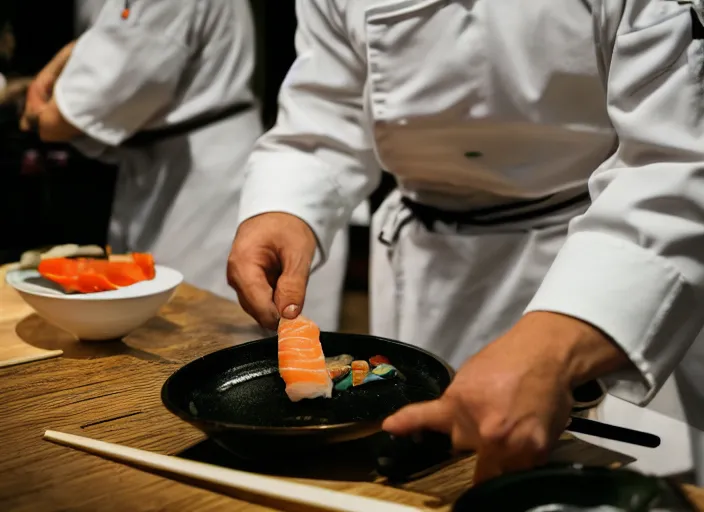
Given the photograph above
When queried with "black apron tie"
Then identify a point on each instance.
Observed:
(430, 215)
(148, 137)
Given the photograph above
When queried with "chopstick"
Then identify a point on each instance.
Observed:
(271, 487)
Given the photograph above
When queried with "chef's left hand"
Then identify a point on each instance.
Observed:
(512, 400)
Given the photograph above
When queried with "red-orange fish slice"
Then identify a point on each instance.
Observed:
(145, 261)
(301, 360)
(377, 360)
(89, 275)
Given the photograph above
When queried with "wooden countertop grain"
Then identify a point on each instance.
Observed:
(111, 391)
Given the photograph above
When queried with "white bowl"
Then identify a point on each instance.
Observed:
(96, 316)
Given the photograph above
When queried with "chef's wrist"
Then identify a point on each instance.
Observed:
(583, 352)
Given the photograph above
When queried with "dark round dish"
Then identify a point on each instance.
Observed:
(574, 489)
(237, 397)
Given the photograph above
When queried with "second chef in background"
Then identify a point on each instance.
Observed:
(163, 89)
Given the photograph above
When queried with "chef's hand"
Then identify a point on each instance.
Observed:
(38, 98)
(41, 90)
(512, 400)
(269, 266)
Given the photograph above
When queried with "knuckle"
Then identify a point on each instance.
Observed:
(493, 429)
(456, 397)
(540, 445)
(289, 288)
(527, 448)
(234, 277)
(460, 439)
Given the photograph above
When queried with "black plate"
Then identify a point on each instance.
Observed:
(575, 488)
(237, 397)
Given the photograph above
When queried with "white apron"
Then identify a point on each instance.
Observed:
(454, 292)
(180, 200)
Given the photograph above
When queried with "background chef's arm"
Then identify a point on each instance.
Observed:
(633, 265)
(316, 162)
(40, 109)
(121, 73)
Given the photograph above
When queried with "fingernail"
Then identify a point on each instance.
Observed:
(291, 311)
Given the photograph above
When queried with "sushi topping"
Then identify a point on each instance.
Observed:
(344, 359)
(90, 275)
(377, 360)
(339, 366)
(338, 372)
(345, 383)
(360, 369)
(385, 370)
(301, 360)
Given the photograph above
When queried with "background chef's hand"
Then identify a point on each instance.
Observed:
(512, 400)
(41, 90)
(38, 98)
(269, 266)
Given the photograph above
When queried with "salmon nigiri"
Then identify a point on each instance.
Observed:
(301, 360)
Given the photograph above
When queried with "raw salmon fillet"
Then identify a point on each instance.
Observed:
(301, 360)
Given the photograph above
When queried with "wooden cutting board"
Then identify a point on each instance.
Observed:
(13, 349)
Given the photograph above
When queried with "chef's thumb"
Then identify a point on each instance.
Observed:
(291, 287)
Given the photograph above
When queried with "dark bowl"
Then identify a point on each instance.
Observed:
(574, 488)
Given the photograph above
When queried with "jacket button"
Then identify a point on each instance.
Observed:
(473, 154)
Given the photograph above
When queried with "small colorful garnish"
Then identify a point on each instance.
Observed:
(347, 373)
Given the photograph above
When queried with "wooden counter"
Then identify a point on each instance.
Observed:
(110, 391)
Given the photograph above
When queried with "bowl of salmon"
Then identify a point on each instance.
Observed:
(96, 298)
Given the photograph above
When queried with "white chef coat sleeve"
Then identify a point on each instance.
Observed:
(124, 72)
(633, 264)
(316, 162)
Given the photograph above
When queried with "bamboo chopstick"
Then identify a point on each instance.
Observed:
(271, 487)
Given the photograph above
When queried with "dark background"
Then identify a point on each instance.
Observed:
(69, 200)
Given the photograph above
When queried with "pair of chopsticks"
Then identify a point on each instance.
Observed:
(278, 489)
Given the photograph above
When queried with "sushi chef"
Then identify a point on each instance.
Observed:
(162, 87)
(548, 227)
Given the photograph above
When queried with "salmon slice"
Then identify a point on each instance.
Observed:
(89, 275)
(301, 360)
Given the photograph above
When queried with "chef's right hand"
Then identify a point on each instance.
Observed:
(269, 266)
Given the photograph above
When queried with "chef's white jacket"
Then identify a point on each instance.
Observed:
(166, 63)
(471, 101)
